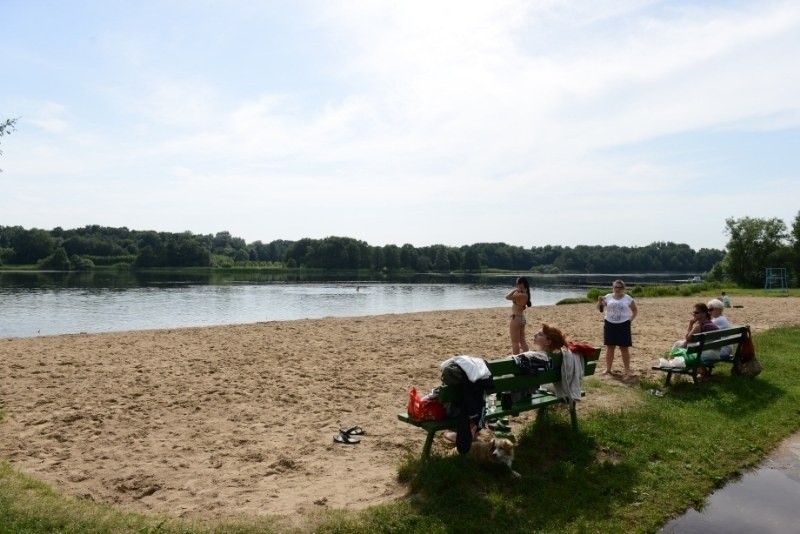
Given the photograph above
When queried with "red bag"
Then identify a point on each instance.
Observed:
(427, 408)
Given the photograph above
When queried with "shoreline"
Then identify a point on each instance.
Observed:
(217, 421)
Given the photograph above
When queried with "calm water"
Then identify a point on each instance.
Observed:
(55, 307)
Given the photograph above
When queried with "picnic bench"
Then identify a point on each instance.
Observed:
(708, 341)
(508, 378)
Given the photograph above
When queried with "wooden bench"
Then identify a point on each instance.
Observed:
(705, 341)
(508, 378)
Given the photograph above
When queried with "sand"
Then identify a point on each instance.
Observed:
(220, 421)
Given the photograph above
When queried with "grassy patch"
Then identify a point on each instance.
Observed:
(627, 470)
(574, 300)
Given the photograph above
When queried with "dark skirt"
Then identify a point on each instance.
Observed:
(617, 334)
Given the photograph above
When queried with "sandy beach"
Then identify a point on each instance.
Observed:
(222, 421)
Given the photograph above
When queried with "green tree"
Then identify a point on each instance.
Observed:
(441, 261)
(57, 261)
(752, 242)
(6, 128)
(472, 260)
(33, 245)
(794, 239)
(391, 257)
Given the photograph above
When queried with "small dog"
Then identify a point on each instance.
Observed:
(497, 450)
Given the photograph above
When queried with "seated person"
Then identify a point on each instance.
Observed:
(715, 309)
(715, 312)
(700, 322)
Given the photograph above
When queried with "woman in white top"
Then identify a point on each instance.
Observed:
(620, 310)
(715, 312)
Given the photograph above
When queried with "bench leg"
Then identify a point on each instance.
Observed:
(426, 450)
(669, 378)
(541, 414)
(573, 415)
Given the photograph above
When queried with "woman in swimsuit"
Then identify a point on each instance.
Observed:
(520, 298)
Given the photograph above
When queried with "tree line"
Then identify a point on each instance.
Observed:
(85, 248)
(753, 245)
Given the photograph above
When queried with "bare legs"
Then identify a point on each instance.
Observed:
(517, 331)
(626, 358)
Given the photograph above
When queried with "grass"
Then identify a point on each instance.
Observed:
(705, 289)
(627, 470)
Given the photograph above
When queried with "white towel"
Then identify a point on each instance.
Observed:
(475, 368)
(571, 376)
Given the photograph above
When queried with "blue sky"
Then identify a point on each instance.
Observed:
(531, 122)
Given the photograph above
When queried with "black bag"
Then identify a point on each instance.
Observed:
(533, 363)
(453, 375)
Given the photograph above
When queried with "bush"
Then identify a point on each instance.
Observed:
(82, 264)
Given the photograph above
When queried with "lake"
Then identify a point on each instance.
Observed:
(52, 303)
(32, 304)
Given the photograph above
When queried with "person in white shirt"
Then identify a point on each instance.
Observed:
(715, 307)
(620, 310)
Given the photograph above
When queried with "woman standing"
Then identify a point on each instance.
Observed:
(520, 298)
(620, 310)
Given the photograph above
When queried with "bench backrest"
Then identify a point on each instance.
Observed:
(716, 339)
(507, 376)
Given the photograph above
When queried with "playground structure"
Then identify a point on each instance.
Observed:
(776, 278)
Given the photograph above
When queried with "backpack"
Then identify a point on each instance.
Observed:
(453, 375)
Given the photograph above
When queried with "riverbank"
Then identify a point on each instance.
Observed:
(219, 421)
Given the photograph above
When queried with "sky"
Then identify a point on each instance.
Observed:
(530, 122)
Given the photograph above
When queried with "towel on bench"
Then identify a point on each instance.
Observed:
(571, 376)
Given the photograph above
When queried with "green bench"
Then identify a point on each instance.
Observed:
(508, 378)
(704, 341)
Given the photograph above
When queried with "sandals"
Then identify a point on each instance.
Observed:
(345, 439)
(344, 435)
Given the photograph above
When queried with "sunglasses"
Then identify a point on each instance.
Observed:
(696, 312)
(618, 287)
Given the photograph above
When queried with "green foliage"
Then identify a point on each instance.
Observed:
(80, 263)
(594, 293)
(149, 249)
(58, 261)
(7, 127)
(575, 300)
(754, 245)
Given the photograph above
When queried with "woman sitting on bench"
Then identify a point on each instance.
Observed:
(700, 322)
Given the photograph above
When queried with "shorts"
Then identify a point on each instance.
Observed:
(617, 334)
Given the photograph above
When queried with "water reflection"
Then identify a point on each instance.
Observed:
(764, 500)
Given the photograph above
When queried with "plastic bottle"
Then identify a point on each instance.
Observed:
(491, 403)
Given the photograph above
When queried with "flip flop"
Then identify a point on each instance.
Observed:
(352, 431)
(499, 427)
(345, 439)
